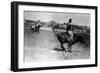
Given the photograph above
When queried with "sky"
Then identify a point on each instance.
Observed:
(77, 18)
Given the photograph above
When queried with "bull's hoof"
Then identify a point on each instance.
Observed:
(69, 51)
(58, 49)
(66, 51)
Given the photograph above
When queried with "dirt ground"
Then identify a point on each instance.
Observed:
(44, 46)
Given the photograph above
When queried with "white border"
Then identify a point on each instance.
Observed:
(22, 64)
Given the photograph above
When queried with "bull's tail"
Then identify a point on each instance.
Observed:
(53, 29)
(55, 32)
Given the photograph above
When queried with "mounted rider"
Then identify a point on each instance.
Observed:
(68, 29)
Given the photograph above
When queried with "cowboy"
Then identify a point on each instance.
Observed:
(68, 29)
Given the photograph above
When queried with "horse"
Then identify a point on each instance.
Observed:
(63, 38)
(35, 28)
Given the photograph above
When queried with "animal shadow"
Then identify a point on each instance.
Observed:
(58, 49)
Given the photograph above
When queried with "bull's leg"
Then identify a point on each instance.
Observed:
(69, 47)
(33, 30)
(63, 47)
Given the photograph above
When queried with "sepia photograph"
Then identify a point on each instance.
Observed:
(54, 36)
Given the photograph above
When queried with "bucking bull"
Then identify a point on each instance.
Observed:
(63, 38)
